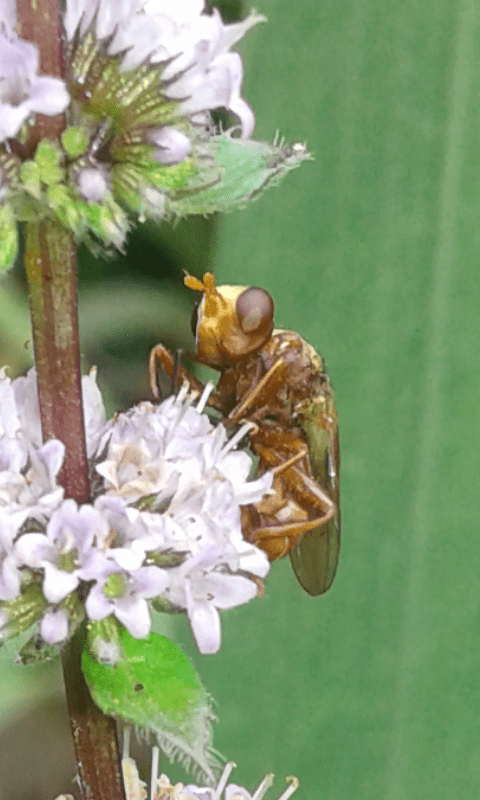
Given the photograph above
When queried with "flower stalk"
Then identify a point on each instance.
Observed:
(50, 262)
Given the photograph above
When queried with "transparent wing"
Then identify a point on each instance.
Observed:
(315, 558)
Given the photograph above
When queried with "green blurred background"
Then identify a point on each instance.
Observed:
(371, 252)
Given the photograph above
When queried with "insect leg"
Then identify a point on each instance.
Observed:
(172, 367)
(268, 386)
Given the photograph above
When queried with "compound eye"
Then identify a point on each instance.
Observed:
(254, 308)
(194, 318)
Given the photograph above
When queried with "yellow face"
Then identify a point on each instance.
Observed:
(232, 323)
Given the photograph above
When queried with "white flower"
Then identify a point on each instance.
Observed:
(164, 521)
(93, 183)
(9, 567)
(54, 626)
(66, 551)
(202, 586)
(199, 72)
(124, 593)
(28, 411)
(223, 791)
(22, 91)
(172, 146)
(130, 533)
(202, 74)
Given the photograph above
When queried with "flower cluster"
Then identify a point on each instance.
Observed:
(141, 78)
(163, 526)
(224, 790)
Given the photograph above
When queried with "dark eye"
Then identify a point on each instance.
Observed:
(194, 318)
(255, 310)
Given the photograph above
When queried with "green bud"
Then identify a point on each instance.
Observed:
(47, 157)
(31, 178)
(104, 641)
(75, 141)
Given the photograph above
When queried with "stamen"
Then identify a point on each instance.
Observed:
(245, 428)
(209, 387)
(154, 772)
(182, 393)
(264, 786)
(291, 789)
(127, 732)
(223, 780)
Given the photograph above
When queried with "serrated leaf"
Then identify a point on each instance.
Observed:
(241, 171)
(155, 687)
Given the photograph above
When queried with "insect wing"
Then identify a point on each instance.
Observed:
(315, 558)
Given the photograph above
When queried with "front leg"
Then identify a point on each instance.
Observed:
(171, 367)
(177, 373)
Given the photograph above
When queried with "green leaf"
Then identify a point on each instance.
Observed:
(154, 686)
(240, 172)
(8, 237)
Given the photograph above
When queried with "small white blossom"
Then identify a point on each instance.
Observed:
(28, 412)
(93, 183)
(9, 568)
(202, 585)
(223, 791)
(66, 551)
(124, 594)
(164, 521)
(54, 626)
(172, 146)
(22, 91)
(199, 70)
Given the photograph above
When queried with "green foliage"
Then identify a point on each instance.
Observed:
(8, 237)
(240, 171)
(154, 686)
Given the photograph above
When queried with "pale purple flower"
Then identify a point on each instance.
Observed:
(172, 146)
(223, 791)
(202, 74)
(125, 594)
(22, 91)
(10, 576)
(173, 484)
(93, 183)
(129, 533)
(202, 586)
(66, 552)
(54, 626)
(28, 411)
(33, 490)
(194, 45)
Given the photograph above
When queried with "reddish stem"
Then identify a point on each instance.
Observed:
(40, 22)
(50, 260)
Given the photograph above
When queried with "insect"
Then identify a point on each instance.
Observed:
(275, 379)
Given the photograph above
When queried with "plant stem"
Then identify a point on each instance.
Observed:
(50, 261)
(94, 734)
(40, 22)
